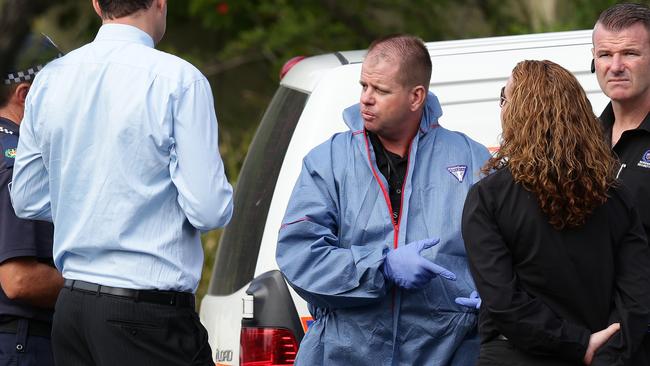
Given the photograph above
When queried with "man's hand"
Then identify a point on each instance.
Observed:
(598, 339)
(407, 268)
(473, 301)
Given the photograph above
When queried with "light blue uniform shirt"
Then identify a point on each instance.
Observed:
(118, 147)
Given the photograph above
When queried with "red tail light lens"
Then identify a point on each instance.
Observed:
(267, 347)
(289, 64)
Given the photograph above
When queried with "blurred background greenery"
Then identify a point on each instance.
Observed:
(240, 45)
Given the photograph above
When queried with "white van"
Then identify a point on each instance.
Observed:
(252, 316)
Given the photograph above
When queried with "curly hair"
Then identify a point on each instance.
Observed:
(553, 143)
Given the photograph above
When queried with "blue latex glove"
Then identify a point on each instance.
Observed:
(473, 301)
(407, 268)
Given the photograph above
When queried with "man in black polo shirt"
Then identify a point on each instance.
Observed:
(28, 280)
(621, 53)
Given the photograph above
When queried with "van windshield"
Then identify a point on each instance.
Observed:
(237, 254)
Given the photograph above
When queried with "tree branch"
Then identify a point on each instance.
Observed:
(217, 67)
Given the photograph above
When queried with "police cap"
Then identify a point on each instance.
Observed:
(36, 51)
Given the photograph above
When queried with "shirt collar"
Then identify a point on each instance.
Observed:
(645, 125)
(379, 147)
(9, 125)
(607, 119)
(123, 32)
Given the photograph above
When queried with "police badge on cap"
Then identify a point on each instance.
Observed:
(35, 53)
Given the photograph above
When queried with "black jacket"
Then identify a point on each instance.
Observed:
(547, 290)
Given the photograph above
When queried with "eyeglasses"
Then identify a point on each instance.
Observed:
(502, 97)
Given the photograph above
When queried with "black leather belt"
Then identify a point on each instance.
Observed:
(173, 298)
(35, 327)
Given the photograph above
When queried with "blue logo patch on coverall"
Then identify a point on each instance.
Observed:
(458, 171)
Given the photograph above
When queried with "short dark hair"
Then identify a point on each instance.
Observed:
(112, 9)
(622, 16)
(6, 91)
(414, 58)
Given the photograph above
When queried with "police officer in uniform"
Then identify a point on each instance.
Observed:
(28, 280)
(621, 52)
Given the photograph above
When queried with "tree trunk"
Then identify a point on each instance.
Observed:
(543, 14)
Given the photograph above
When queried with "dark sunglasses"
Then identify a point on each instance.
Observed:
(502, 97)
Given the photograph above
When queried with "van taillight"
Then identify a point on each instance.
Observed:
(289, 64)
(267, 347)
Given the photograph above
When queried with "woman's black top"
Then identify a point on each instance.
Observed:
(547, 290)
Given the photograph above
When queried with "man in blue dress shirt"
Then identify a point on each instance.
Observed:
(119, 149)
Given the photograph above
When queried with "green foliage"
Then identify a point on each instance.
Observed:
(210, 242)
(582, 14)
(276, 30)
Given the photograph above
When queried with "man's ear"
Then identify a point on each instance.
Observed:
(160, 4)
(21, 93)
(418, 96)
(98, 10)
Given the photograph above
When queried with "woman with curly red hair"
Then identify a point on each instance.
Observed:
(556, 248)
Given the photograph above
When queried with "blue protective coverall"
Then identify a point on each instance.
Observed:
(337, 230)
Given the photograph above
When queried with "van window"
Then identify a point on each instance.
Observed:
(237, 254)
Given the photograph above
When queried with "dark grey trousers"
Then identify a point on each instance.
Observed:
(103, 330)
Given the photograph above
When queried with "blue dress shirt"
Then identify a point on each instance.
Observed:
(119, 149)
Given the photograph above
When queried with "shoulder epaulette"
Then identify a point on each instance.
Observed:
(6, 131)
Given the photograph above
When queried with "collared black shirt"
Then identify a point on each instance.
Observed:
(393, 168)
(633, 151)
(548, 290)
(18, 237)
